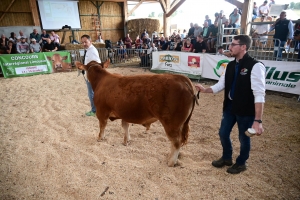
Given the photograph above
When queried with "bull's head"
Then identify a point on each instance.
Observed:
(81, 66)
(57, 60)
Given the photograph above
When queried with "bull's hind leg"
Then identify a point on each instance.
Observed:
(102, 124)
(125, 126)
(175, 148)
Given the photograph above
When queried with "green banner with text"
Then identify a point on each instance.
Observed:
(16, 65)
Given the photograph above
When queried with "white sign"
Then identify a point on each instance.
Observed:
(31, 69)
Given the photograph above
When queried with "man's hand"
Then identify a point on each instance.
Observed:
(258, 128)
(199, 87)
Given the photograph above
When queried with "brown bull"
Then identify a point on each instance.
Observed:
(143, 99)
(58, 63)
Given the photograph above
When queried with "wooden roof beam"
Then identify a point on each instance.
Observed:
(163, 5)
(236, 3)
(8, 7)
(175, 7)
(135, 7)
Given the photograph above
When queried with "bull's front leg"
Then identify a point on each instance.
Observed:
(125, 126)
(102, 124)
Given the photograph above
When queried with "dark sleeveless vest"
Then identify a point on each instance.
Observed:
(243, 99)
(281, 30)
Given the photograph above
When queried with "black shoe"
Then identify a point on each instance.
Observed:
(236, 169)
(221, 163)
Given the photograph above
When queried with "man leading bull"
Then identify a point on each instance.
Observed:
(244, 97)
(90, 54)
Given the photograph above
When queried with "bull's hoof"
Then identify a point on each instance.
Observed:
(126, 143)
(100, 139)
(171, 163)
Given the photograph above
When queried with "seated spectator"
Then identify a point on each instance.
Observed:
(44, 37)
(171, 45)
(235, 20)
(146, 40)
(11, 48)
(120, 42)
(3, 42)
(213, 31)
(122, 53)
(178, 44)
(100, 39)
(35, 35)
(220, 51)
(50, 46)
(260, 35)
(165, 45)
(54, 38)
(183, 34)
(34, 46)
(22, 35)
(18, 39)
(200, 46)
(197, 31)
(205, 32)
(222, 18)
(254, 13)
(191, 30)
(187, 46)
(138, 42)
(152, 48)
(13, 36)
(208, 20)
(23, 47)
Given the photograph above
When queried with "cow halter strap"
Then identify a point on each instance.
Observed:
(91, 67)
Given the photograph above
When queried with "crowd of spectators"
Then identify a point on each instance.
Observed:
(35, 43)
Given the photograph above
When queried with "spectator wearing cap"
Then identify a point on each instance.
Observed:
(34, 46)
(208, 20)
(23, 46)
(264, 9)
(3, 42)
(260, 35)
(283, 34)
(35, 35)
(23, 35)
(11, 47)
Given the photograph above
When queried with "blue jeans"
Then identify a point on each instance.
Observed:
(91, 95)
(279, 45)
(243, 122)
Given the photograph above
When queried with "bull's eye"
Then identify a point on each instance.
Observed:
(52, 60)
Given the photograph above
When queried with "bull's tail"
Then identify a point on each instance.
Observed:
(186, 128)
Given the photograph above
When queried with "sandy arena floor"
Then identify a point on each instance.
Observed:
(49, 149)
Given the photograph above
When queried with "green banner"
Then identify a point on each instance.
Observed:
(16, 65)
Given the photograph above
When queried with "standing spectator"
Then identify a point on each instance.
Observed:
(284, 32)
(183, 34)
(144, 33)
(212, 38)
(187, 46)
(90, 54)
(35, 35)
(54, 38)
(200, 46)
(208, 20)
(146, 40)
(34, 46)
(44, 37)
(11, 48)
(264, 9)
(272, 2)
(23, 46)
(22, 35)
(297, 39)
(235, 20)
(3, 42)
(144, 56)
(138, 42)
(50, 46)
(244, 97)
(128, 41)
(191, 30)
(260, 35)
(100, 39)
(122, 53)
(216, 18)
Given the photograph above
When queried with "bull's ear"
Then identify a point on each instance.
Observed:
(79, 65)
(106, 63)
(49, 58)
(64, 58)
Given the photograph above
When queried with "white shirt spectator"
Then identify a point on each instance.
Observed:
(260, 29)
(264, 9)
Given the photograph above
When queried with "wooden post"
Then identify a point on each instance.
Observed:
(35, 13)
(246, 17)
(125, 11)
(166, 19)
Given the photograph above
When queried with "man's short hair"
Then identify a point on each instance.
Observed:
(244, 39)
(86, 36)
(200, 36)
(220, 47)
(265, 1)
